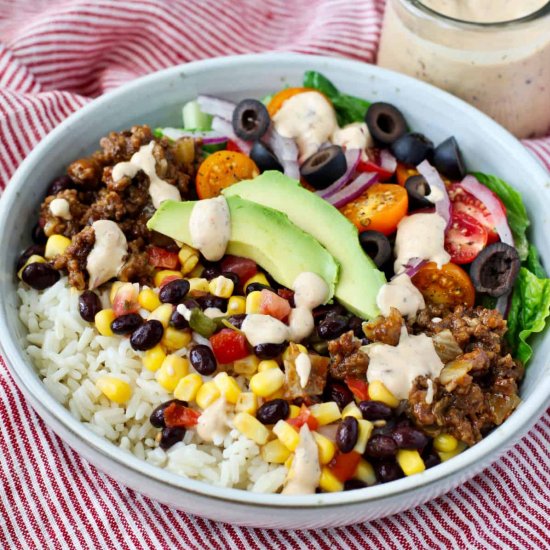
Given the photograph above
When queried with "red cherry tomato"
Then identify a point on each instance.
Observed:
(466, 203)
(343, 465)
(372, 164)
(242, 267)
(126, 300)
(272, 304)
(359, 388)
(304, 417)
(165, 259)
(232, 146)
(229, 345)
(176, 415)
(465, 238)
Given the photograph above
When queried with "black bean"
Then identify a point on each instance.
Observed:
(147, 336)
(34, 249)
(40, 275)
(171, 436)
(347, 434)
(157, 416)
(319, 313)
(387, 471)
(273, 411)
(191, 303)
(386, 429)
(203, 360)
(212, 301)
(252, 287)
(408, 437)
(60, 184)
(126, 324)
(210, 272)
(332, 327)
(381, 446)
(233, 276)
(375, 410)
(356, 324)
(174, 292)
(37, 234)
(431, 459)
(89, 305)
(269, 351)
(237, 320)
(352, 484)
(334, 391)
(178, 321)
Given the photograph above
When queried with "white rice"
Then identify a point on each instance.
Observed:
(70, 356)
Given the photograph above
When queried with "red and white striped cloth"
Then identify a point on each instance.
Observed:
(57, 54)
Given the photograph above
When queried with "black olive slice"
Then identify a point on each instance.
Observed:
(324, 167)
(264, 157)
(495, 269)
(412, 148)
(385, 122)
(448, 159)
(250, 119)
(418, 188)
(376, 245)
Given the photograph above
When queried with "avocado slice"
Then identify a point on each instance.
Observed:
(359, 279)
(260, 233)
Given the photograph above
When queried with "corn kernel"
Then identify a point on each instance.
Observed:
(115, 389)
(174, 339)
(148, 299)
(207, 394)
(253, 302)
(197, 284)
(326, 447)
(236, 305)
(162, 314)
(326, 413)
(248, 365)
(34, 259)
(279, 394)
(247, 402)
(267, 382)
(228, 387)
(251, 428)
(444, 456)
(351, 409)
(172, 370)
(267, 364)
(329, 482)
(196, 272)
(114, 289)
(365, 472)
(188, 386)
(275, 452)
(288, 436)
(379, 392)
(103, 320)
(294, 411)
(365, 429)
(410, 461)
(445, 443)
(56, 245)
(288, 461)
(153, 358)
(188, 258)
(221, 286)
(163, 273)
(258, 278)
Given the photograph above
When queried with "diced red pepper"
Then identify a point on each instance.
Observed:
(343, 465)
(165, 259)
(232, 146)
(229, 345)
(304, 417)
(369, 166)
(242, 267)
(126, 300)
(359, 388)
(272, 304)
(180, 416)
(286, 294)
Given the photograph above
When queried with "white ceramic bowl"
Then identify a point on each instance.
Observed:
(157, 100)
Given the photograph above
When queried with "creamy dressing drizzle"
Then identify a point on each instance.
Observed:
(397, 366)
(430, 392)
(264, 329)
(159, 190)
(210, 227)
(213, 312)
(353, 136)
(303, 368)
(310, 290)
(61, 209)
(213, 425)
(420, 236)
(305, 472)
(184, 311)
(401, 294)
(108, 253)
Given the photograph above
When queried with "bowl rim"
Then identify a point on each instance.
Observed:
(38, 396)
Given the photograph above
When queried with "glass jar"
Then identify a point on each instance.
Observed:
(498, 63)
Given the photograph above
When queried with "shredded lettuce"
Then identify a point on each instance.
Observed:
(348, 108)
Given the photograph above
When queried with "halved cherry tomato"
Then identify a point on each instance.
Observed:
(343, 465)
(222, 169)
(229, 345)
(242, 267)
(359, 388)
(465, 238)
(304, 417)
(272, 304)
(232, 146)
(466, 203)
(160, 257)
(276, 102)
(177, 415)
(380, 208)
(404, 172)
(126, 300)
(450, 286)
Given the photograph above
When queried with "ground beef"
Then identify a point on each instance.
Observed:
(137, 267)
(346, 359)
(386, 330)
(316, 381)
(54, 225)
(74, 258)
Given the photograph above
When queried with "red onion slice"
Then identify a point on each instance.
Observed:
(412, 266)
(358, 186)
(388, 161)
(352, 159)
(216, 107)
(493, 205)
(443, 204)
(208, 138)
(286, 151)
(224, 127)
